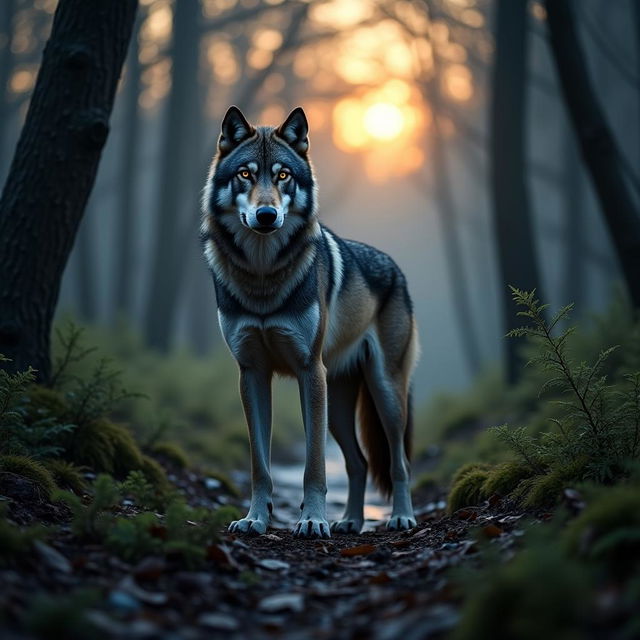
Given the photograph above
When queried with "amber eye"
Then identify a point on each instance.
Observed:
(244, 174)
(283, 175)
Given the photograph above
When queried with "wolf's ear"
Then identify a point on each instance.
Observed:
(234, 130)
(295, 131)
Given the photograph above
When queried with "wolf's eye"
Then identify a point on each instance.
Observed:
(283, 175)
(244, 174)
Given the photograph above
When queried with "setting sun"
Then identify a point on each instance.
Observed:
(383, 121)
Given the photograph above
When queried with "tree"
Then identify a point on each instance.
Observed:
(178, 144)
(607, 168)
(54, 169)
(517, 260)
(7, 13)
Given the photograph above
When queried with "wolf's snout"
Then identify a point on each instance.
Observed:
(266, 216)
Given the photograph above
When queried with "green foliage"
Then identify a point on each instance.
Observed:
(185, 532)
(597, 422)
(582, 421)
(538, 594)
(609, 527)
(30, 469)
(190, 400)
(62, 616)
(92, 520)
(25, 429)
(145, 493)
(16, 541)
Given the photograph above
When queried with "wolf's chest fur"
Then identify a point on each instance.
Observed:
(325, 305)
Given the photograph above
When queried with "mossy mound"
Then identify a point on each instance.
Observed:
(43, 402)
(227, 483)
(66, 474)
(505, 477)
(467, 486)
(30, 469)
(172, 452)
(155, 474)
(103, 445)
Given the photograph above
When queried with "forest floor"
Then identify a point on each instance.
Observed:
(380, 584)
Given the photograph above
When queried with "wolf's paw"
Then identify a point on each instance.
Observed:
(347, 526)
(401, 523)
(248, 525)
(312, 528)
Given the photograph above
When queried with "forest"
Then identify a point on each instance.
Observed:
(491, 148)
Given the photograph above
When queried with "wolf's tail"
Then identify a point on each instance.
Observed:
(375, 440)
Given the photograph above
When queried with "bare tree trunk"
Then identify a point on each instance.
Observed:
(447, 214)
(124, 266)
(599, 149)
(573, 285)
(178, 144)
(54, 169)
(87, 261)
(7, 13)
(517, 260)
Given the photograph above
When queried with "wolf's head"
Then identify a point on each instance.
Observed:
(261, 178)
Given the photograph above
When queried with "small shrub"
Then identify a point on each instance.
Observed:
(16, 541)
(66, 474)
(62, 616)
(92, 520)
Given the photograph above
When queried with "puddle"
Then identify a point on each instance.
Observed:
(287, 485)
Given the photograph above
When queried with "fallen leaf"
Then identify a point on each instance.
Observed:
(380, 578)
(360, 550)
(492, 531)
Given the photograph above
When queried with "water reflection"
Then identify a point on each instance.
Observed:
(287, 480)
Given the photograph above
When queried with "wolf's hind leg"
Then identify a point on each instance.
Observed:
(255, 391)
(343, 395)
(390, 395)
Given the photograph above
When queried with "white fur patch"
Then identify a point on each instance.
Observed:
(338, 275)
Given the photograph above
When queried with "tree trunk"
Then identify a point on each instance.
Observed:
(599, 149)
(7, 12)
(448, 215)
(517, 261)
(573, 286)
(129, 178)
(178, 145)
(54, 169)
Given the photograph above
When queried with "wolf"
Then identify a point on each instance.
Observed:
(296, 299)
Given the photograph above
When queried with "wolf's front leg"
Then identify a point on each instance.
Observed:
(255, 391)
(313, 397)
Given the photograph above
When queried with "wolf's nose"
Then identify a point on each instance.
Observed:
(266, 215)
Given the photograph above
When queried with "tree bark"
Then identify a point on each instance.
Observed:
(598, 146)
(517, 260)
(178, 145)
(54, 169)
(129, 179)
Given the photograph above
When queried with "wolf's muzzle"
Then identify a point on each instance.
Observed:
(266, 216)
